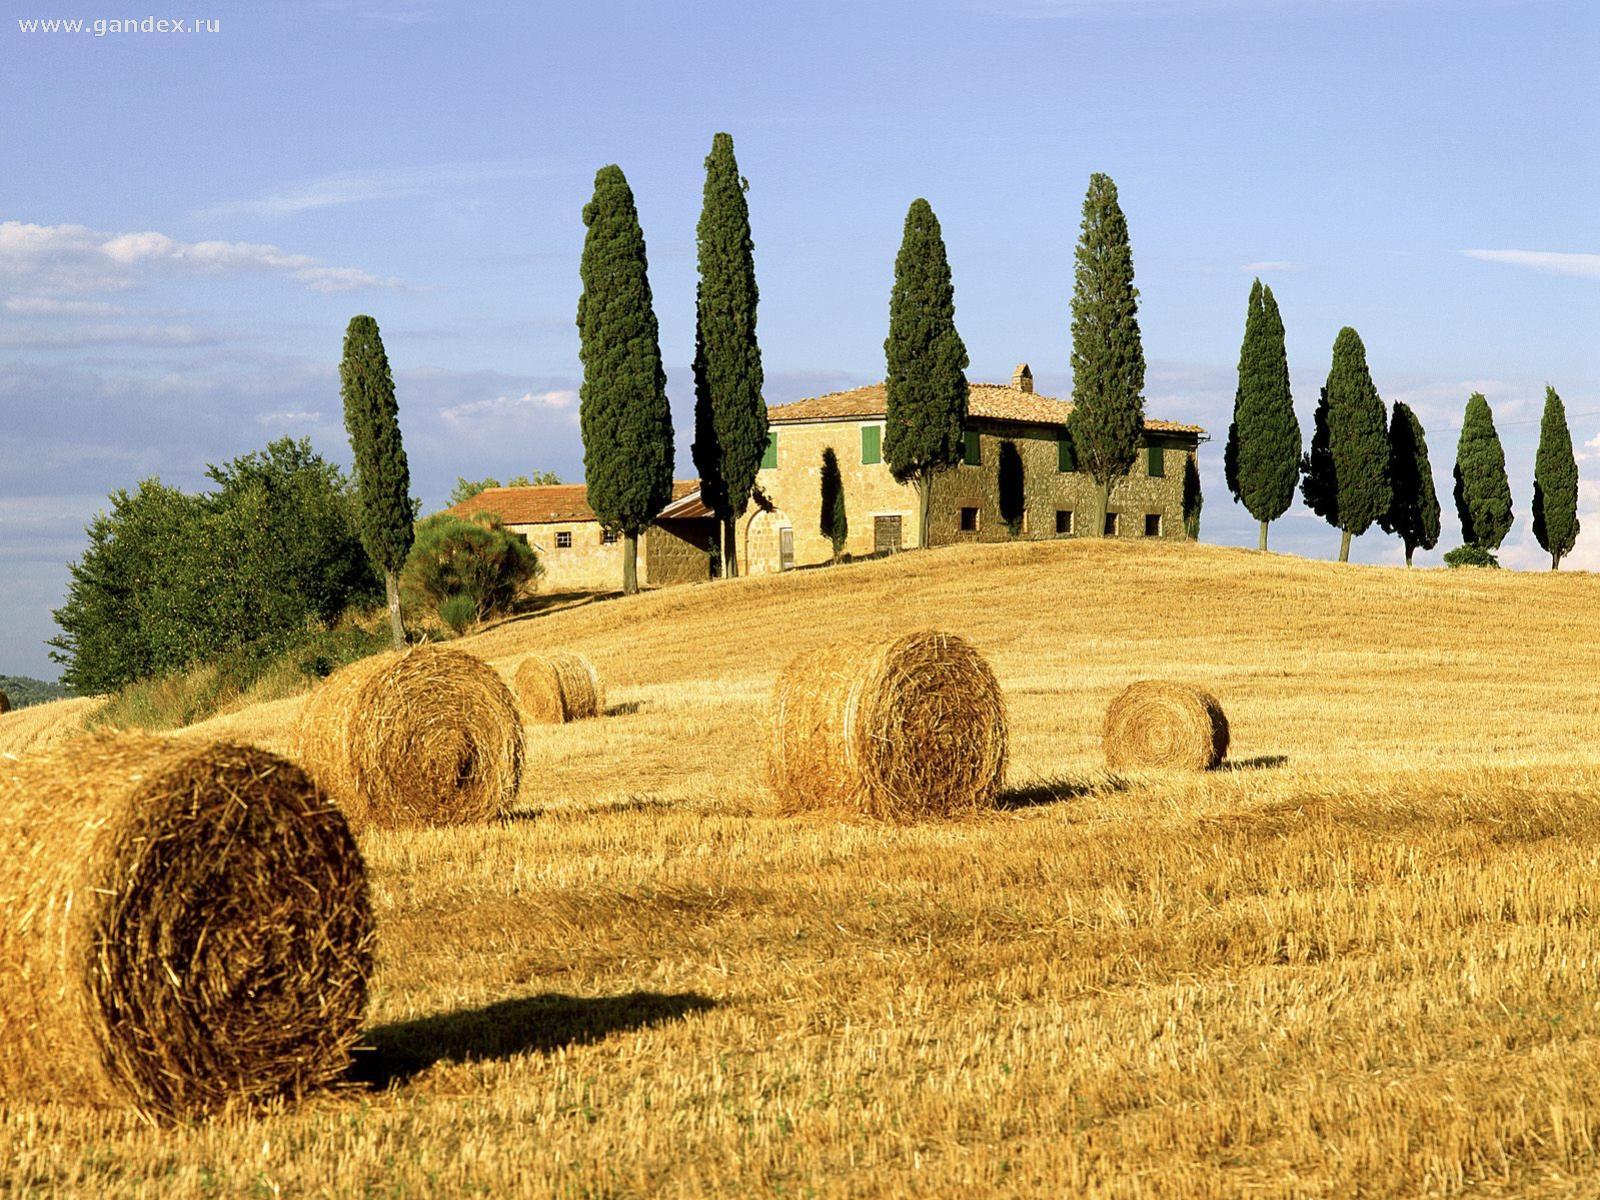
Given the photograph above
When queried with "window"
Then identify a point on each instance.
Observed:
(1155, 461)
(1111, 524)
(564, 540)
(871, 444)
(969, 520)
(770, 458)
(1063, 522)
(1066, 453)
(1152, 524)
(608, 536)
(971, 452)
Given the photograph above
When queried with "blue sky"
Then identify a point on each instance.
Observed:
(187, 221)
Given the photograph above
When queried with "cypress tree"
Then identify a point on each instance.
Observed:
(383, 479)
(1107, 355)
(1483, 494)
(622, 408)
(927, 382)
(834, 525)
(1414, 505)
(730, 416)
(1262, 459)
(1347, 471)
(1193, 498)
(1555, 483)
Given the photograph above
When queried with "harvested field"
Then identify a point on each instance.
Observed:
(1357, 959)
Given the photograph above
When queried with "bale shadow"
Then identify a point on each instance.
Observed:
(1053, 791)
(1261, 762)
(394, 1054)
(626, 709)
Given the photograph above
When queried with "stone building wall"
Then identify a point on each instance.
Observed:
(679, 551)
(589, 564)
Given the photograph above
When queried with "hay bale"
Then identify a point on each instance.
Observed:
(426, 736)
(1159, 724)
(181, 926)
(907, 728)
(556, 688)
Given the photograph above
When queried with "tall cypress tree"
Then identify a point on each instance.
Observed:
(833, 523)
(730, 416)
(1483, 494)
(927, 383)
(1555, 483)
(1414, 505)
(1107, 355)
(383, 479)
(622, 409)
(1347, 471)
(1262, 459)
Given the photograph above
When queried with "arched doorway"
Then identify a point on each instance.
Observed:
(768, 543)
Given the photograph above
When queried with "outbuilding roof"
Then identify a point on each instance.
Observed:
(547, 505)
(992, 401)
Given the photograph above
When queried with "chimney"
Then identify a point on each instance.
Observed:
(1022, 378)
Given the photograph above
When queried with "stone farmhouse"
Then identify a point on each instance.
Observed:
(782, 528)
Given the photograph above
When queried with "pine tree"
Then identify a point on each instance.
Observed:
(1347, 469)
(1262, 458)
(622, 411)
(927, 383)
(1413, 513)
(383, 479)
(833, 524)
(1483, 494)
(1555, 483)
(1107, 356)
(730, 416)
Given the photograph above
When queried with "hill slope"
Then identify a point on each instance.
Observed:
(1362, 962)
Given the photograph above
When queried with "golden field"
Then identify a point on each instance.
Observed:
(1363, 960)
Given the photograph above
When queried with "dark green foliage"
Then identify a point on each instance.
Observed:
(623, 410)
(23, 690)
(730, 416)
(1470, 556)
(927, 382)
(1413, 514)
(1107, 355)
(1483, 494)
(1010, 483)
(1193, 498)
(170, 579)
(834, 523)
(458, 613)
(372, 419)
(1555, 483)
(476, 557)
(466, 489)
(1262, 458)
(1347, 470)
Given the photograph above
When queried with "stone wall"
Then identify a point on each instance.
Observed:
(679, 551)
(679, 554)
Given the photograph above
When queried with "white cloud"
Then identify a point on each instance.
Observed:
(49, 306)
(291, 417)
(74, 259)
(113, 334)
(357, 187)
(1552, 262)
(498, 406)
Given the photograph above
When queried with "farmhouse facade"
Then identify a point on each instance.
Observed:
(1010, 430)
(579, 556)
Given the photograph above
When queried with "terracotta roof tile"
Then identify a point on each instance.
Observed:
(548, 504)
(992, 401)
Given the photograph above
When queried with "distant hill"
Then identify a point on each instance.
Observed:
(23, 690)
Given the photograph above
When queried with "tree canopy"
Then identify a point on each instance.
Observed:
(1555, 483)
(1482, 491)
(1262, 457)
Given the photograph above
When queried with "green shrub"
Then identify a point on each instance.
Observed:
(1470, 556)
(458, 613)
(477, 558)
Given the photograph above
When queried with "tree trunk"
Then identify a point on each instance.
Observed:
(924, 497)
(730, 548)
(1409, 549)
(1102, 493)
(397, 628)
(1344, 545)
(1555, 562)
(1262, 543)
(630, 564)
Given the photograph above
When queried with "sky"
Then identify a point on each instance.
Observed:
(189, 219)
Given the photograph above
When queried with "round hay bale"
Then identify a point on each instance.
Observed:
(556, 688)
(426, 736)
(5, 701)
(1158, 724)
(908, 728)
(182, 926)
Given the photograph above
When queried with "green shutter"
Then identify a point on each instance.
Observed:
(770, 458)
(871, 445)
(1066, 452)
(972, 453)
(1155, 460)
